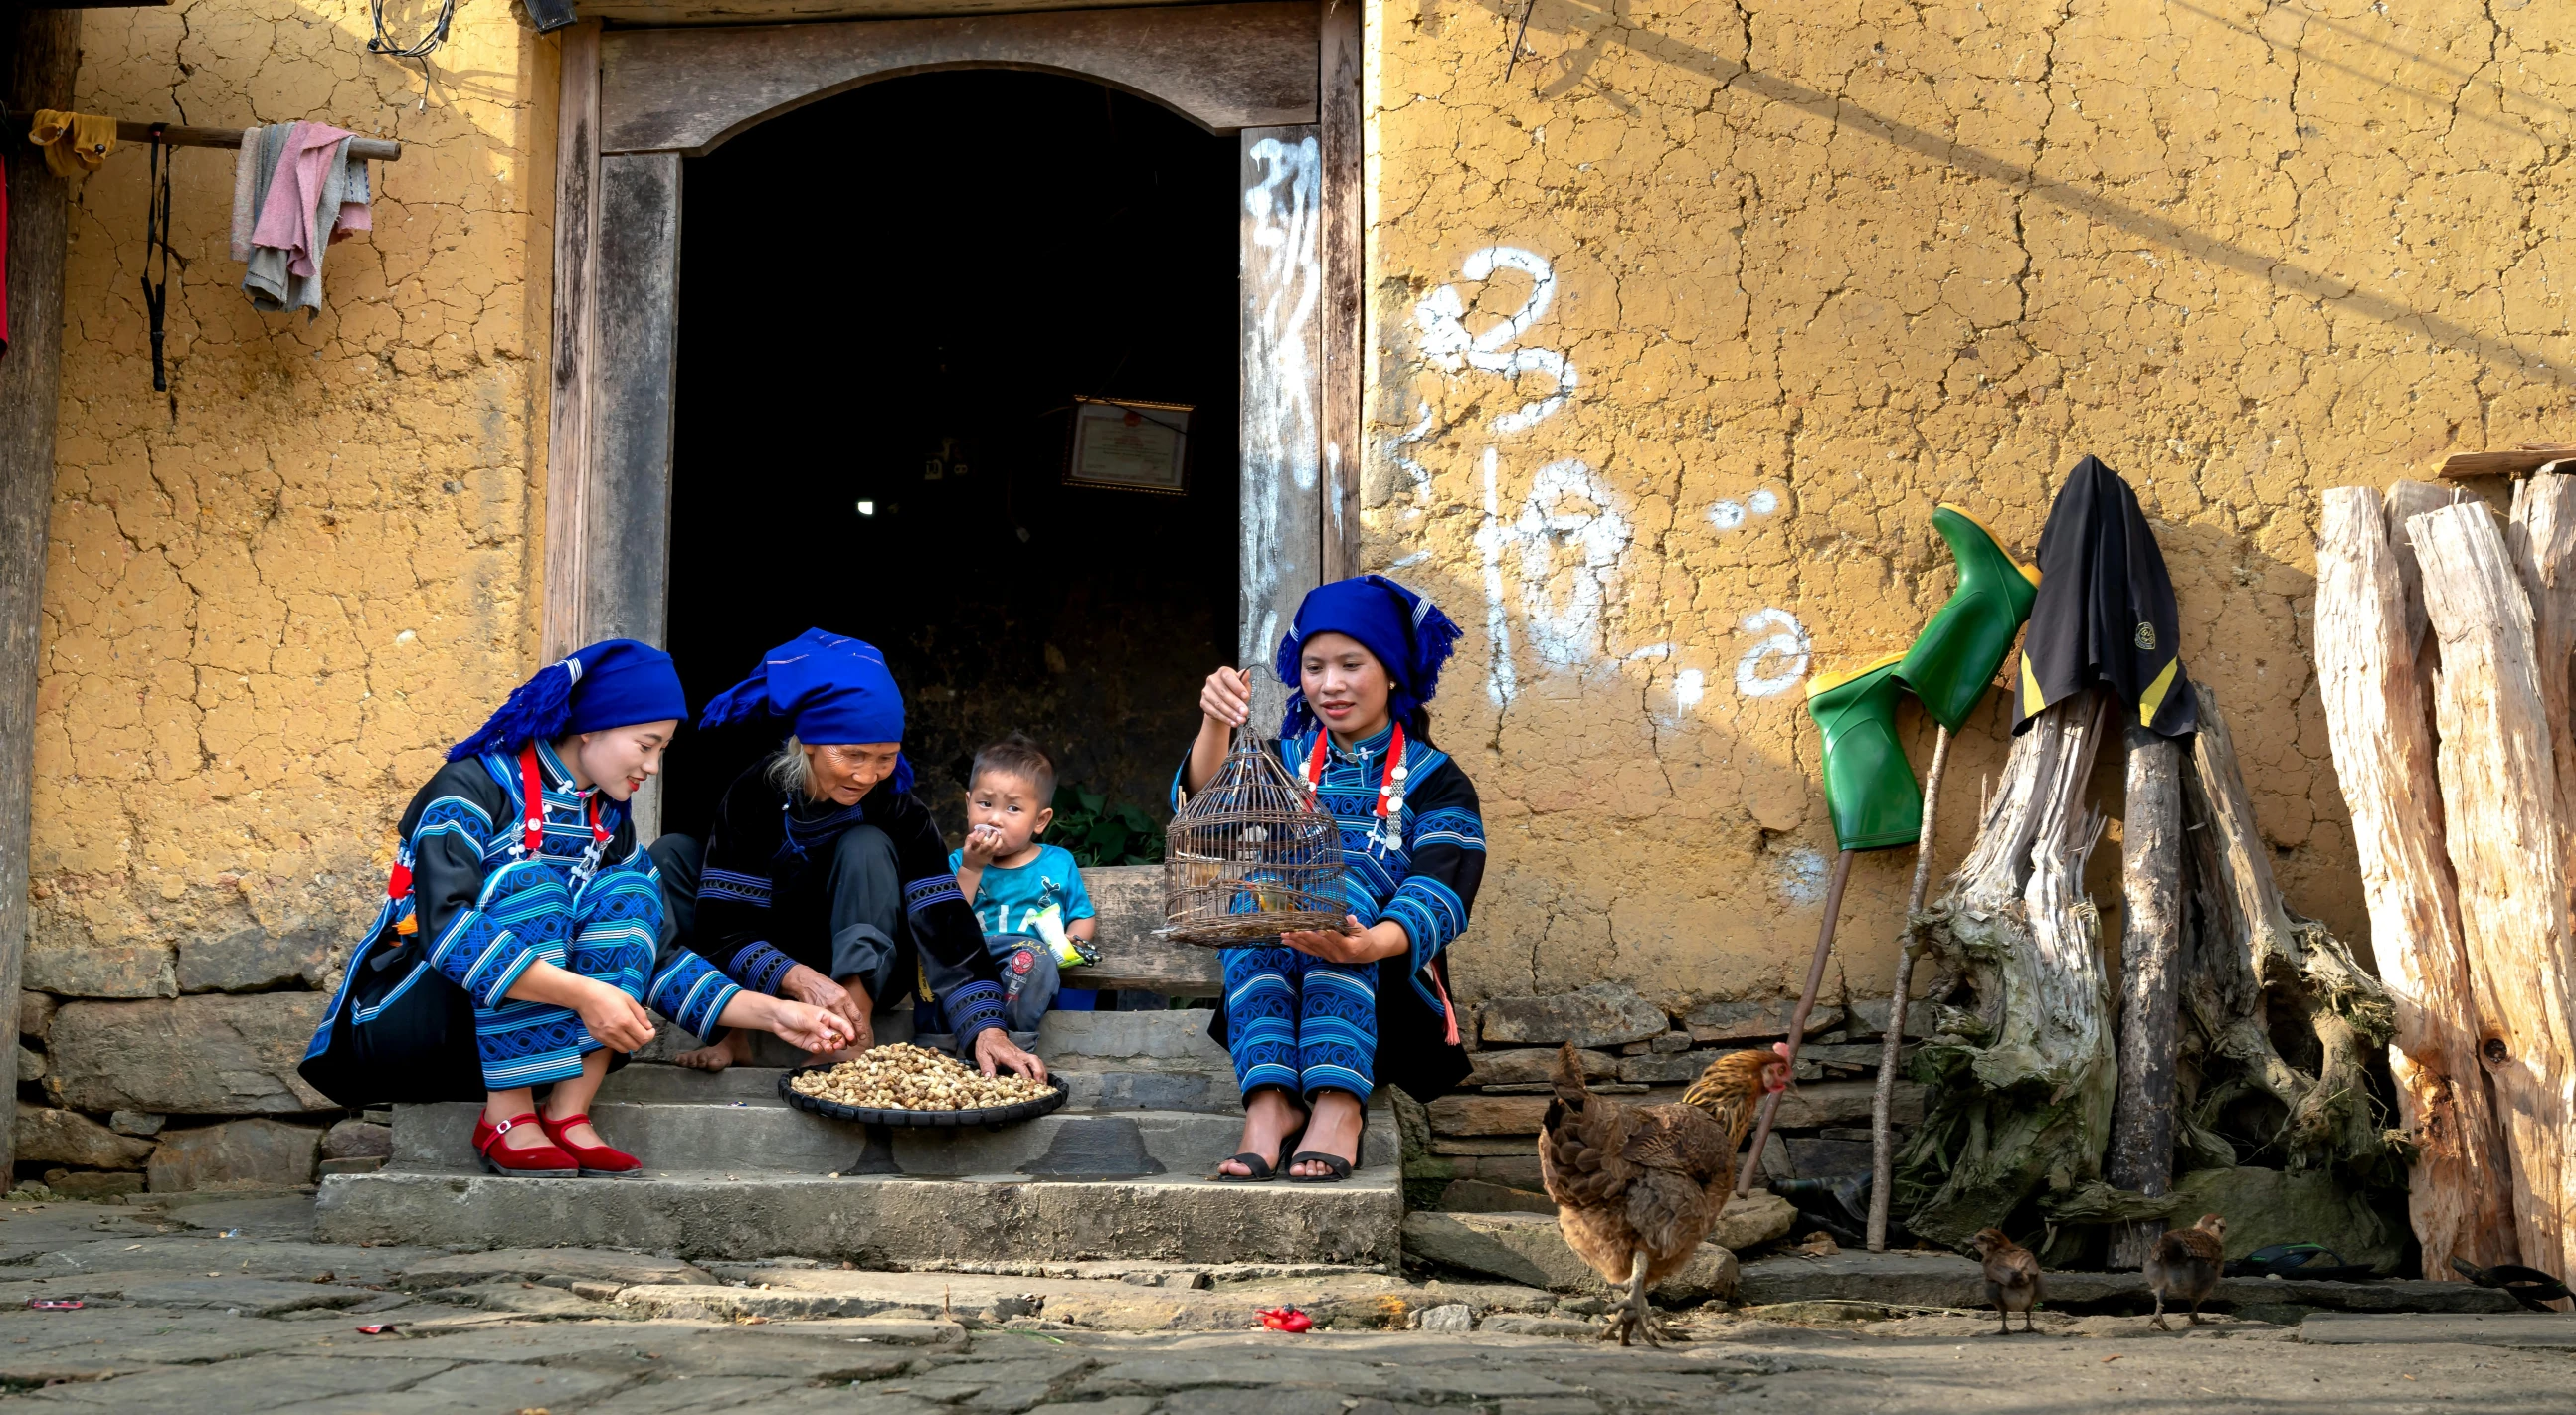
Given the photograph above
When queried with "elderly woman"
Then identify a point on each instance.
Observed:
(1315, 1021)
(822, 864)
(519, 881)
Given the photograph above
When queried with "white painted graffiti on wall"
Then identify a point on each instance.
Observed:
(1568, 536)
(1282, 288)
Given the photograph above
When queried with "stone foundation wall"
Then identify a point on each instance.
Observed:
(1477, 1149)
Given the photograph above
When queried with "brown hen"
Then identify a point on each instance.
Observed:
(1638, 1186)
(2185, 1265)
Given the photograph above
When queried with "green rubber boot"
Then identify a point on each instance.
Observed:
(1869, 786)
(1955, 657)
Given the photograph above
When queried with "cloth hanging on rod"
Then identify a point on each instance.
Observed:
(296, 190)
(74, 143)
(156, 233)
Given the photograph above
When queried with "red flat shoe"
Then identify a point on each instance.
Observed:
(596, 1161)
(534, 1162)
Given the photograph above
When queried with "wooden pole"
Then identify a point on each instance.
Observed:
(1882, 1150)
(2500, 828)
(15, 122)
(2142, 1111)
(1798, 1020)
(2458, 1182)
(39, 50)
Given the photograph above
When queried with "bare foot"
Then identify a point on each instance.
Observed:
(734, 1050)
(1269, 1118)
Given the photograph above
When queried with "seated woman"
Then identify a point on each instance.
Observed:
(520, 864)
(822, 863)
(1317, 1020)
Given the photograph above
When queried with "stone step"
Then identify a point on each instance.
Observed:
(764, 1135)
(877, 1220)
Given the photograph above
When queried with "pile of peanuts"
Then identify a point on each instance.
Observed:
(907, 1077)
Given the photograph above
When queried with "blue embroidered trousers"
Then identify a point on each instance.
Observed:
(608, 929)
(1294, 1020)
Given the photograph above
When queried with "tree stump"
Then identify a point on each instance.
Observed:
(2378, 721)
(2280, 1008)
(2025, 1073)
(2276, 1022)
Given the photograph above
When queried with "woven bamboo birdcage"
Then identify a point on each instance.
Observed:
(1250, 857)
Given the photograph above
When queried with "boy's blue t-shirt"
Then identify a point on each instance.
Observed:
(1008, 901)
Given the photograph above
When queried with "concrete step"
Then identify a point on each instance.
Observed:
(764, 1134)
(877, 1220)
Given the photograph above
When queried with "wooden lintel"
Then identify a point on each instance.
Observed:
(2519, 461)
(174, 135)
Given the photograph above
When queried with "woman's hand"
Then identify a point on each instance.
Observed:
(994, 1050)
(1358, 945)
(814, 990)
(1226, 698)
(615, 1021)
(806, 1027)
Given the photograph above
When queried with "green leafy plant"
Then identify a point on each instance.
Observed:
(1101, 833)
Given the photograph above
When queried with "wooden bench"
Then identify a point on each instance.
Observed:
(1129, 899)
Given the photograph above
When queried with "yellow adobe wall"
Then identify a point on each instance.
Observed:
(1910, 253)
(1685, 325)
(275, 592)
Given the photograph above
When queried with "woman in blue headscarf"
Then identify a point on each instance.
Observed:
(822, 862)
(520, 873)
(1317, 1020)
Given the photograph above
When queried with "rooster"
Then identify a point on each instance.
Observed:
(1637, 1187)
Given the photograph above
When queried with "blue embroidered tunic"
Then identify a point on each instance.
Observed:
(1425, 879)
(488, 911)
(756, 921)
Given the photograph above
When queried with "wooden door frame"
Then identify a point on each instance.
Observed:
(619, 143)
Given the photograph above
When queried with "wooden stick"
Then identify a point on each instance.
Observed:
(1798, 1020)
(173, 135)
(2515, 462)
(2142, 1111)
(1882, 1156)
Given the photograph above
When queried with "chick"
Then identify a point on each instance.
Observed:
(2184, 1266)
(2012, 1277)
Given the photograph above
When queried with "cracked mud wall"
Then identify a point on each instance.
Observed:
(1683, 325)
(1679, 330)
(276, 592)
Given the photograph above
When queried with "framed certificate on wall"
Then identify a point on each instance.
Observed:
(1130, 445)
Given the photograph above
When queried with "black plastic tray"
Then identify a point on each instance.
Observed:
(927, 1119)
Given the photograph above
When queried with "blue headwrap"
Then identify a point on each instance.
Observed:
(1405, 630)
(612, 683)
(826, 689)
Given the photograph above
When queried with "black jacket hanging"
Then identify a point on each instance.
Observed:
(2105, 612)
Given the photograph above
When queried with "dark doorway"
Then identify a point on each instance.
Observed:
(894, 297)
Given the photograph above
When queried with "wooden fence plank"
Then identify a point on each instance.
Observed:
(2501, 833)
(2384, 759)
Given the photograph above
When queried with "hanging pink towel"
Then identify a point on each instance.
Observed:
(292, 208)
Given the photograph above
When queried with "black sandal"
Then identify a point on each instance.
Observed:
(1263, 1169)
(1341, 1168)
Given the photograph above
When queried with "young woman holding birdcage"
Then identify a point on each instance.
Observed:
(1316, 1019)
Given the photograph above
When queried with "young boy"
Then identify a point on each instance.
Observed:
(1036, 916)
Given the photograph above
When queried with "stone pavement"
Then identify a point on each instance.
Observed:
(229, 1305)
